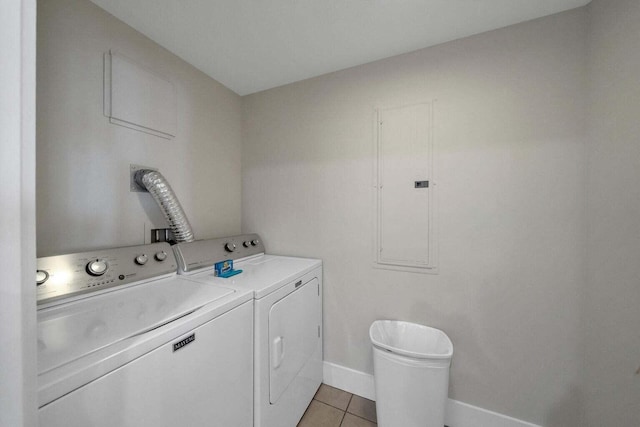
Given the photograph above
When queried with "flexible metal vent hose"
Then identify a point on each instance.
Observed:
(162, 193)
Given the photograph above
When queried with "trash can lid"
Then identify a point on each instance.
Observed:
(410, 339)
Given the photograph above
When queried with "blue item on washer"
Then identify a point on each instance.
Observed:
(225, 269)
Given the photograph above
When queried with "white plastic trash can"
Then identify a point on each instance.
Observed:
(411, 371)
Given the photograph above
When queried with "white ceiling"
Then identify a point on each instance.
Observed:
(253, 45)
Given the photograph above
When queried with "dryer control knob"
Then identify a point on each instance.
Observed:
(97, 267)
(246, 244)
(41, 277)
(141, 259)
(255, 242)
(160, 256)
(230, 247)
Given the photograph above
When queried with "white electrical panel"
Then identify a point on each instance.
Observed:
(138, 98)
(405, 189)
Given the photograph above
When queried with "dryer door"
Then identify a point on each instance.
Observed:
(293, 336)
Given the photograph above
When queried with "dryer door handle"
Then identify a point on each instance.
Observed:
(277, 352)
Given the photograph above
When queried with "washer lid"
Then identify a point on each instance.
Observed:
(70, 331)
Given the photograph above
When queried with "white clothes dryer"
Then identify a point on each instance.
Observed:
(123, 341)
(287, 314)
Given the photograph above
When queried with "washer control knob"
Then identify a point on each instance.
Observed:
(246, 243)
(142, 259)
(160, 256)
(97, 267)
(41, 277)
(255, 242)
(230, 247)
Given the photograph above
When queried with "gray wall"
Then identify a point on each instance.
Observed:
(83, 198)
(539, 294)
(612, 312)
(510, 172)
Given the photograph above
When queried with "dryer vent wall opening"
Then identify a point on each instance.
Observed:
(157, 185)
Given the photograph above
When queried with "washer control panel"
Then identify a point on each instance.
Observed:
(70, 275)
(205, 253)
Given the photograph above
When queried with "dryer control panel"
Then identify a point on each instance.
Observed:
(205, 253)
(70, 275)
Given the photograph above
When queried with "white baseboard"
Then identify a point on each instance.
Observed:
(458, 414)
(350, 380)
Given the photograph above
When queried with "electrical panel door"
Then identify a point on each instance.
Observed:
(405, 187)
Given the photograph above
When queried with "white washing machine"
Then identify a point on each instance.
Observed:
(287, 314)
(124, 341)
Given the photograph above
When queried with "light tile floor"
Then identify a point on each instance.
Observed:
(332, 407)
